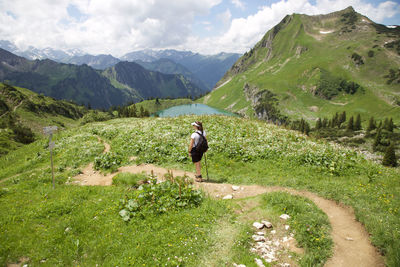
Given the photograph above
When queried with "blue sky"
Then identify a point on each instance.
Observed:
(206, 26)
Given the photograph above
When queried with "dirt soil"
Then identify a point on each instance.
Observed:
(352, 246)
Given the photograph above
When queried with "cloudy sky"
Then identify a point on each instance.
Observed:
(120, 26)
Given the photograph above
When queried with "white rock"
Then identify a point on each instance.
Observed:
(268, 260)
(258, 238)
(267, 224)
(349, 239)
(67, 229)
(258, 225)
(276, 243)
(285, 239)
(25, 265)
(239, 265)
(284, 216)
(228, 197)
(273, 232)
(287, 227)
(235, 187)
(260, 233)
(259, 263)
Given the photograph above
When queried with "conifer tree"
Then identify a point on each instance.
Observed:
(377, 140)
(306, 128)
(350, 124)
(335, 120)
(342, 119)
(389, 159)
(386, 124)
(380, 125)
(141, 112)
(371, 124)
(324, 123)
(318, 125)
(390, 125)
(357, 124)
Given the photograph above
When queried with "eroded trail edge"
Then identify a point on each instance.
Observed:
(352, 246)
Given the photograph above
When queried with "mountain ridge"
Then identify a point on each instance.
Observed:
(303, 56)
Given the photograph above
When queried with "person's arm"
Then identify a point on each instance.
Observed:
(191, 145)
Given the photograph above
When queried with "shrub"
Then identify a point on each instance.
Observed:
(23, 134)
(107, 161)
(389, 159)
(157, 198)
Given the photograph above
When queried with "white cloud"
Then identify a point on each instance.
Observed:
(108, 26)
(238, 4)
(118, 27)
(244, 33)
(225, 17)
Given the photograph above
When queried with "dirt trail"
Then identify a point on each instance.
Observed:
(351, 241)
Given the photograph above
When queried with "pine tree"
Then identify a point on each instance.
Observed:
(389, 159)
(335, 120)
(386, 124)
(141, 112)
(371, 124)
(377, 140)
(318, 125)
(342, 119)
(357, 125)
(134, 111)
(306, 128)
(350, 124)
(324, 123)
(390, 125)
(380, 125)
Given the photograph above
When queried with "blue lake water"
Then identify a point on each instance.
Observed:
(192, 109)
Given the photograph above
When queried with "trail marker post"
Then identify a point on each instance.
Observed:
(49, 130)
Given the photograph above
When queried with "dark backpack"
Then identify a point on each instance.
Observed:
(202, 145)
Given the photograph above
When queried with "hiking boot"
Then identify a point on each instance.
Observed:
(198, 178)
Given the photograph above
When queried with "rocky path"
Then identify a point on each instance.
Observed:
(351, 241)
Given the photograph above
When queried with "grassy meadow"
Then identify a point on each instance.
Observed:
(79, 225)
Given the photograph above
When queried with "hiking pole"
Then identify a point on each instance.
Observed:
(205, 161)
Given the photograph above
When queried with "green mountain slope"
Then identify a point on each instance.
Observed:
(168, 66)
(23, 114)
(313, 66)
(124, 82)
(146, 84)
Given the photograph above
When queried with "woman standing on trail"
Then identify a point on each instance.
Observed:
(195, 153)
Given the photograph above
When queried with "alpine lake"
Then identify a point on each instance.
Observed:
(193, 109)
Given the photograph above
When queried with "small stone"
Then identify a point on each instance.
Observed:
(273, 232)
(67, 229)
(258, 225)
(287, 227)
(284, 216)
(259, 263)
(349, 239)
(235, 187)
(285, 239)
(276, 243)
(258, 238)
(228, 197)
(239, 265)
(267, 224)
(260, 233)
(25, 265)
(268, 260)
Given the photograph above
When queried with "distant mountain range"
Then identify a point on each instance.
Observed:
(203, 70)
(125, 82)
(314, 66)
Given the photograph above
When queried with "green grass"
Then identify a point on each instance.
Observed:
(34, 218)
(128, 179)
